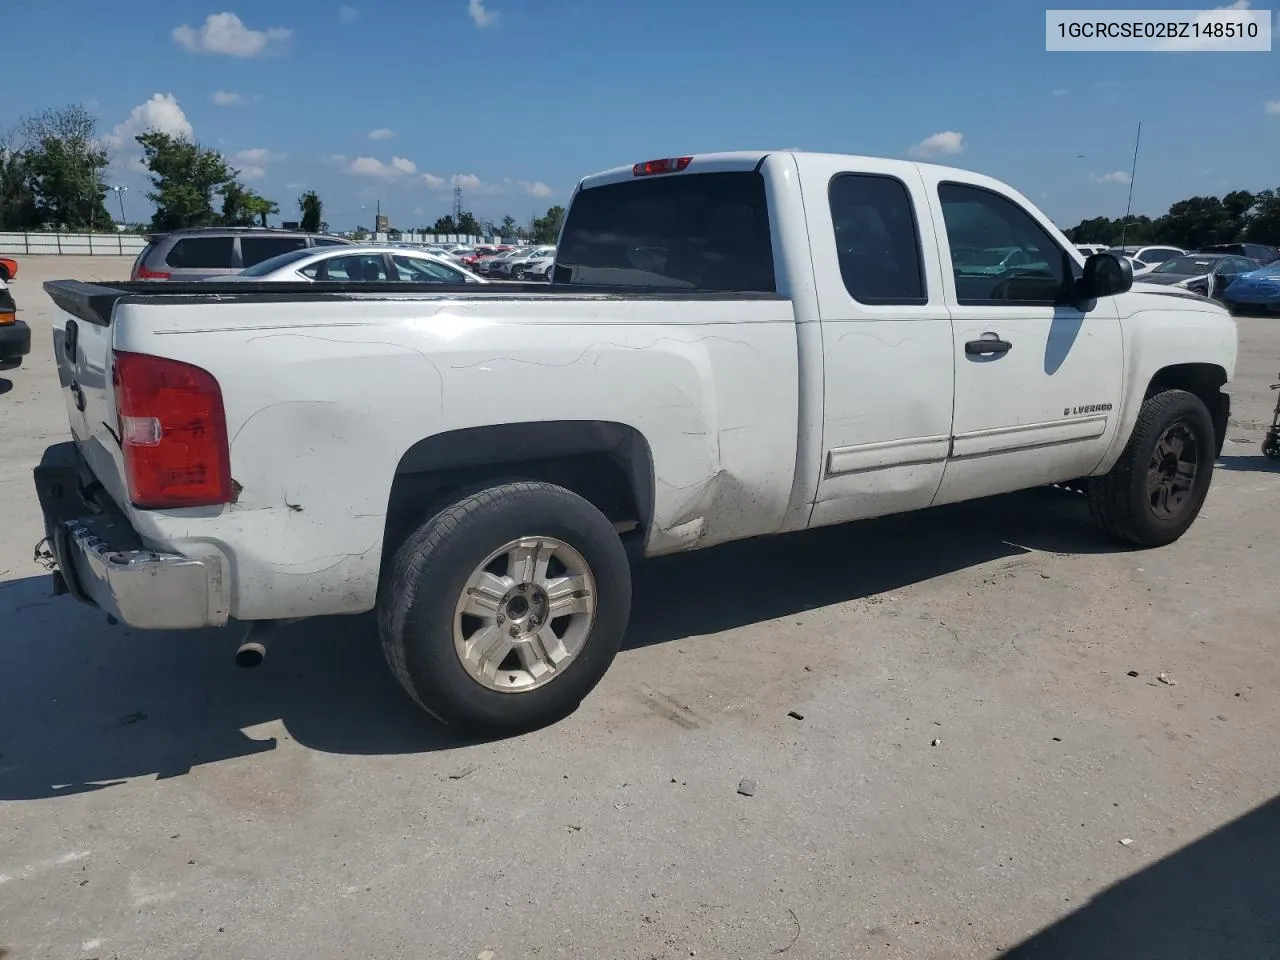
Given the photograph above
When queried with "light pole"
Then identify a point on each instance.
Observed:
(120, 192)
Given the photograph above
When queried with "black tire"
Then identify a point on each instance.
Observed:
(430, 570)
(1119, 501)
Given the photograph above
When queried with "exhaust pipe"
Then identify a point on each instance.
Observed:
(250, 654)
(252, 650)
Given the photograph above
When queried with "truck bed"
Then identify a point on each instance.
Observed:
(94, 302)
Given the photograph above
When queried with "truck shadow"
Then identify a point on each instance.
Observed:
(1215, 898)
(1255, 464)
(84, 705)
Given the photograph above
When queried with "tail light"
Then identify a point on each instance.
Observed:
(144, 274)
(8, 309)
(173, 430)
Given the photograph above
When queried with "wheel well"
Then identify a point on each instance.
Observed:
(606, 463)
(1205, 380)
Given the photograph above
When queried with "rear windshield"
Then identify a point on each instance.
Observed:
(202, 253)
(707, 231)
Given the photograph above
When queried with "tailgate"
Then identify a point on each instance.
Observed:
(82, 337)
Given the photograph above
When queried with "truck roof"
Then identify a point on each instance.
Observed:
(750, 159)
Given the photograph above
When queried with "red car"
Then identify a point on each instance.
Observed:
(8, 269)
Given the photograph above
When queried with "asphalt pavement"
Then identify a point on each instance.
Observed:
(974, 731)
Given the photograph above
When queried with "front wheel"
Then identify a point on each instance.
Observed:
(504, 610)
(1155, 490)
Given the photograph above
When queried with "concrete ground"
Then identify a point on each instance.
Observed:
(976, 770)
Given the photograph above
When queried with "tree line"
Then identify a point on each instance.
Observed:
(53, 176)
(1194, 222)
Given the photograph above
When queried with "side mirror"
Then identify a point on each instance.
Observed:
(1105, 275)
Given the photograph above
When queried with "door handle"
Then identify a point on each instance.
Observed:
(982, 348)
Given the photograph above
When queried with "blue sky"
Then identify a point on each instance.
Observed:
(520, 98)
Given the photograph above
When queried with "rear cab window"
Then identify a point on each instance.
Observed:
(877, 239)
(694, 231)
(208, 253)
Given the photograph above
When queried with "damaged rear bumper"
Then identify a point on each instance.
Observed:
(101, 560)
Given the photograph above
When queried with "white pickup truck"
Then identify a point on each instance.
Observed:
(733, 345)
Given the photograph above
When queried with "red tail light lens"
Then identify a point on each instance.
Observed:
(144, 274)
(174, 433)
(670, 165)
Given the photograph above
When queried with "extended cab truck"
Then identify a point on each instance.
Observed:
(732, 345)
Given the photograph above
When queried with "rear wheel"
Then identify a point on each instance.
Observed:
(1156, 489)
(505, 609)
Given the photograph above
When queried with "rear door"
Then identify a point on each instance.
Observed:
(1038, 379)
(886, 338)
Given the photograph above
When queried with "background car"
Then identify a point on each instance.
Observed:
(8, 269)
(1207, 274)
(203, 252)
(520, 265)
(537, 269)
(358, 264)
(1149, 256)
(500, 267)
(1089, 249)
(1261, 252)
(1257, 290)
(15, 336)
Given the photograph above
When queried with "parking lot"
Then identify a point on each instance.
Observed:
(974, 731)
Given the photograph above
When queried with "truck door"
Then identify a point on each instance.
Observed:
(1038, 378)
(886, 338)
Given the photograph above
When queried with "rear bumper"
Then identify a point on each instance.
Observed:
(15, 343)
(102, 561)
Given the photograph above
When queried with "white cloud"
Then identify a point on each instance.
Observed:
(226, 33)
(348, 14)
(382, 133)
(1116, 176)
(1272, 107)
(373, 167)
(252, 163)
(536, 188)
(222, 98)
(946, 143)
(160, 113)
(433, 182)
(482, 16)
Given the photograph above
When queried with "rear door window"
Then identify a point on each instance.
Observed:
(706, 231)
(256, 249)
(359, 268)
(327, 242)
(876, 239)
(208, 253)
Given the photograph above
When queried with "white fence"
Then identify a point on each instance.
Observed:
(131, 244)
(73, 244)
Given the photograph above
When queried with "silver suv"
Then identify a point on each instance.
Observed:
(199, 253)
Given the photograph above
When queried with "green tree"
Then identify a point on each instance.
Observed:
(64, 165)
(185, 178)
(18, 210)
(1263, 225)
(547, 229)
(445, 224)
(1197, 221)
(468, 224)
(311, 207)
(241, 207)
(509, 227)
